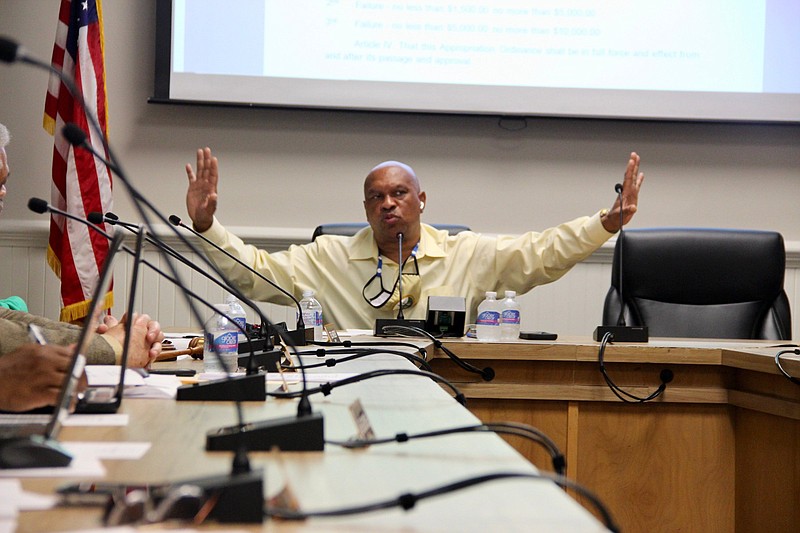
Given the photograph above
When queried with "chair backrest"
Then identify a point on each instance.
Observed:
(701, 283)
(351, 228)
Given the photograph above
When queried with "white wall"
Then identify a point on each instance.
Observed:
(293, 169)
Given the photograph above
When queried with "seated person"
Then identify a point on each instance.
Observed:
(106, 348)
(354, 278)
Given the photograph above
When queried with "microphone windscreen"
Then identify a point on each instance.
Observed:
(618, 188)
(95, 217)
(175, 220)
(8, 50)
(37, 205)
(112, 216)
(73, 134)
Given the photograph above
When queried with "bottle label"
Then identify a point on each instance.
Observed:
(226, 342)
(317, 319)
(511, 316)
(242, 321)
(488, 318)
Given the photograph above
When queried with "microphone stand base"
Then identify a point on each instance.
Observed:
(380, 323)
(289, 434)
(240, 387)
(268, 360)
(622, 333)
(239, 497)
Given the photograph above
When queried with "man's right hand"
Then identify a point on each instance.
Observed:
(32, 375)
(201, 197)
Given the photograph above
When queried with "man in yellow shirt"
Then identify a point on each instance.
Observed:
(354, 277)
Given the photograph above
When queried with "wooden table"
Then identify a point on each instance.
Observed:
(339, 477)
(719, 451)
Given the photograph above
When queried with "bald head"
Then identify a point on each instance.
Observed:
(393, 203)
(392, 165)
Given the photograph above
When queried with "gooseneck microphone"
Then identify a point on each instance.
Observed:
(382, 325)
(303, 432)
(300, 339)
(621, 332)
(400, 262)
(251, 389)
(241, 482)
(268, 356)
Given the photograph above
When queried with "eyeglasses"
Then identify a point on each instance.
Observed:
(382, 295)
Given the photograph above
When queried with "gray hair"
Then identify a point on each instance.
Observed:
(5, 137)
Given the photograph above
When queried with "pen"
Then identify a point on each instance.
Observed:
(36, 335)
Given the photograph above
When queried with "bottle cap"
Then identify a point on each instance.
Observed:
(511, 294)
(308, 293)
(491, 294)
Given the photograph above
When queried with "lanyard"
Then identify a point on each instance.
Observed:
(380, 264)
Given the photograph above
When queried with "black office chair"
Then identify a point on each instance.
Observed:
(701, 283)
(351, 228)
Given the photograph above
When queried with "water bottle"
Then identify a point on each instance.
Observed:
(487, 327)
(223, 335)
(509, 319)
(312, 313)
(237, 313)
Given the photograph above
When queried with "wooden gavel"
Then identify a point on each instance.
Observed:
(195, 349)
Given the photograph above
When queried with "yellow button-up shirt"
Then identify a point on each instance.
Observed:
(467, 264)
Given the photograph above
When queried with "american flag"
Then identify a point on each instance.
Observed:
(81, 184)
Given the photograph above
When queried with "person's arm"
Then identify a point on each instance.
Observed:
(32, 375)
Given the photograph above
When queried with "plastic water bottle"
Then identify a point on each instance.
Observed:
(487, 327)
(509, 319)
(312, 313)
(223, 335)
(237, 313)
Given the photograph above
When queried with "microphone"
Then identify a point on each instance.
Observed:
(268, 356)
(249, 388)
(621, 332)
(300, 336)
(303, 432)
(241, 483)
(400, 275)
(109, 218)
(382, 324)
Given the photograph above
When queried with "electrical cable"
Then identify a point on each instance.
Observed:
(408, 500)
(358, 353)
(666, 376)
(487, 373)
(326, 388)
(780, 366)
(507, 428)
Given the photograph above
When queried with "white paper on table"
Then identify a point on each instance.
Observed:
(99, 420)
(108, 450)
(154, 386)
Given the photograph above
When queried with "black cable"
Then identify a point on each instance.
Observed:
(507, 428)
(348, 343)
(666, 376)
(408, 500)
(357, 353)
(326, 388)
(487, 373)
(780, 367)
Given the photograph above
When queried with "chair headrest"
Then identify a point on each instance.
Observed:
(701, 266)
